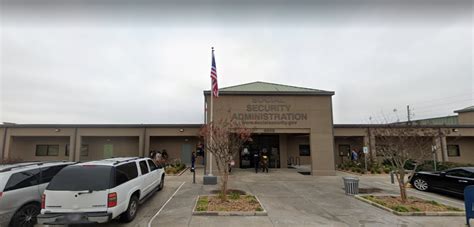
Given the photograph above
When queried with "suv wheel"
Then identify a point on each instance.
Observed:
(162, 183)
(26, 216)
(421, 184)
(131, 212)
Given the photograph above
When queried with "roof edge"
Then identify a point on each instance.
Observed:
(307, 93)
(101, 126)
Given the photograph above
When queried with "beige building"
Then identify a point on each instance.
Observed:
(293, 124)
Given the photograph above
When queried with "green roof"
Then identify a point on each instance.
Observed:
(265, 88)
(467, 109)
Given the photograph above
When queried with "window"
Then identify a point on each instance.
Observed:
(453, 151)
(152, 165)
(48, 173)
(344, 149)
(459, 173)
(143, 167)
(47, 150)
(81, 178)
(22, 180)
(84, 150)
(304, 150)
(125, 172)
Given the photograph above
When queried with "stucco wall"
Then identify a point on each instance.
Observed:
(123, 146)
(24, 147)
(466, 118)
(354, 143)
(304, 112)
(466, 149)
(293, 148)
(172, 144)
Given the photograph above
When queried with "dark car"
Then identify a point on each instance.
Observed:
(451, 181)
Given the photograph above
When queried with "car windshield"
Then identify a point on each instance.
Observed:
(82, 177)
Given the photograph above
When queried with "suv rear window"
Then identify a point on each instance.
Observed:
(80, 178)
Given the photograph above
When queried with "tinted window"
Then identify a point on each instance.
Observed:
(22, 180)
(47, 150)
(80, 178)
(143, 167)
(152, 165)
(49, 172)
(459, 173)
(125, 172)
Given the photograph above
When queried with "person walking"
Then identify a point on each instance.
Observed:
(354, 155)
(256, 160)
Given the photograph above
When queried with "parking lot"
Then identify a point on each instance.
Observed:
(290, 198)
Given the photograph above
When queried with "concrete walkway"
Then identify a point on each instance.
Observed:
(292, 199)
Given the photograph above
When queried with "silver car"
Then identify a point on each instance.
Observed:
(21, 187)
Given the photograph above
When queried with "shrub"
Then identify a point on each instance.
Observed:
(400, 208)
(258, 209)
(234, 195)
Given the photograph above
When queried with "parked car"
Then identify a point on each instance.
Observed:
(99, 191)
(451, 180)
(21, 187)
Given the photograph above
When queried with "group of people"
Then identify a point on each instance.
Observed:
(261, 159)
(160, 157)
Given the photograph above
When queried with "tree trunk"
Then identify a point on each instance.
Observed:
(225, 178)
(401, 185)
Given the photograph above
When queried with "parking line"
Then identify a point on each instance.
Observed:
(157, 213)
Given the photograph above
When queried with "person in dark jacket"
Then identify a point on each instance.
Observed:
(256, 160)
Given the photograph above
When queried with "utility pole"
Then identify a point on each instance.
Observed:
(408, 113)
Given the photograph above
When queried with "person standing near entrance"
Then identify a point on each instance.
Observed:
(256, 160)
(264, 160)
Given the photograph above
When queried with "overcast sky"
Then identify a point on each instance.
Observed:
(118, 62)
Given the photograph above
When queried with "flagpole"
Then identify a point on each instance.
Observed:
(212, 122)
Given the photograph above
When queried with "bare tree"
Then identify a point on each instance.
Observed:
(224, 140)
(401, 144)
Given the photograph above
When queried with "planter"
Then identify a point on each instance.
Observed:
(260, 211)
(411, 213)
(178, 173)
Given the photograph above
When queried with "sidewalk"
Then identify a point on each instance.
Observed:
(292, 199)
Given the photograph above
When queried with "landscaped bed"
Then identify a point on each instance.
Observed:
(236, 204)
(414, 206)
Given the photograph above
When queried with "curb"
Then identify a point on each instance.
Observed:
(228, 213)
(425, 213)
(178, 174)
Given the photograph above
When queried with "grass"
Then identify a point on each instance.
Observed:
(202, 203)
(412, 205)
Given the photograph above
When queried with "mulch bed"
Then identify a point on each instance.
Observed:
(246, 203)
(412, 205)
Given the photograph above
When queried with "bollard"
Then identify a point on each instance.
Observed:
(194, 175)
(392, 179)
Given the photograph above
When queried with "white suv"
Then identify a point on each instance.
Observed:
(21, 187)
(99, 191)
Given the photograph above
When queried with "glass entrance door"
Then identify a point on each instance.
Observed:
(266, 143)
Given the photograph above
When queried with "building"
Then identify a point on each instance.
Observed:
(294, 124)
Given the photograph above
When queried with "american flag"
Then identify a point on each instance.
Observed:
(215, 88)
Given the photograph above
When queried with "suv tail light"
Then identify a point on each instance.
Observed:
(1, 194)
(112, 199)
(43, 201)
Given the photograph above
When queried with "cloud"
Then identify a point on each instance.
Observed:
(148, 63)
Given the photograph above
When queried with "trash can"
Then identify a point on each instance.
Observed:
(351, 185)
